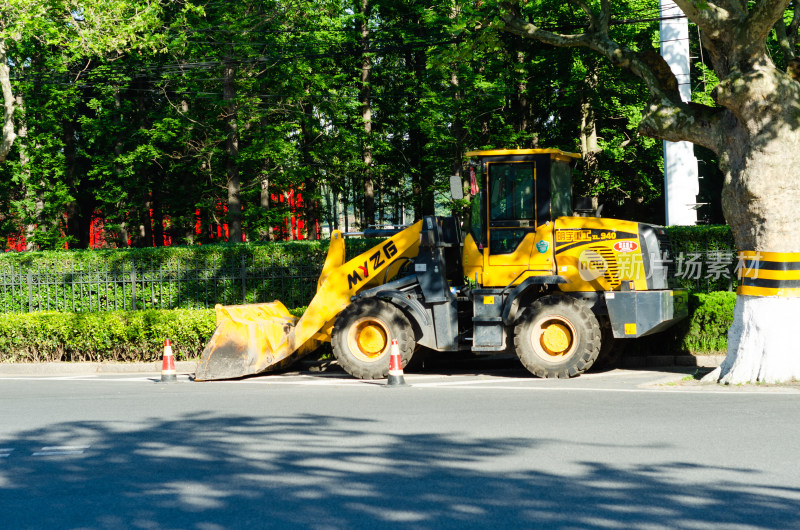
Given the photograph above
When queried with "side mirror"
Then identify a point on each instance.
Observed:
(456, 189)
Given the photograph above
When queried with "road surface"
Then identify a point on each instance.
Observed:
(471, 449)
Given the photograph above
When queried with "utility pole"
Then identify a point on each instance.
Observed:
(681, 180)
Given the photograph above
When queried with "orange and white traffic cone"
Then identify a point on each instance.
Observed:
(168, 374)
(395, 367)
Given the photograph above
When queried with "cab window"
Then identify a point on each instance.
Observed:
(478, 214)
(561, 189)
(505, 240)
(511, 189)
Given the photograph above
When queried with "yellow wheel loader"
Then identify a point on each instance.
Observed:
(525, 275)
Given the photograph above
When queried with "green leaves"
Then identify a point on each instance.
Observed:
(139, 336)
(88, 27)
(104, 337)
(127, 121)
(711, 318)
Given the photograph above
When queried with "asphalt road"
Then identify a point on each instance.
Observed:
(472, 449)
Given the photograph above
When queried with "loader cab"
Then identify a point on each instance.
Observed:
(521, 193)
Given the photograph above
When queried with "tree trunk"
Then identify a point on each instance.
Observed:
(9, 132)
(79, 210)
(234, 184)
(146, 228)
(366, 114)
(357, 211)
(590, 148)
(523, 112)
(265, 202)
(762, 342)
(122, 239)
(346, 206)
(157, 215)
(760, 200)
(421, 176)
(34, 202)
(124, 235)
(459, 132)
(140, 227)
(330, 208)
(310, 182)
(458, 129)
(335, 194)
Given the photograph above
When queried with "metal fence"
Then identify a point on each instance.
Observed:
(203, 282)
(142, 284)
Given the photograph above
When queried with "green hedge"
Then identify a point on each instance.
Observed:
(685, 239)
(711, 317)
(139, 335)
(704, 332)
(112, 336)
(289, 252)
(701, 238)
(701, 255)
(119, 336)
(194, 277)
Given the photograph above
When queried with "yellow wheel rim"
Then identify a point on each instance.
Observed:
(556, 337)
(368, 339)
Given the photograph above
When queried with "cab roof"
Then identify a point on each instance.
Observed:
(554, 153)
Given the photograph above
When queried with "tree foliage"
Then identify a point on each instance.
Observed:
(176, 121)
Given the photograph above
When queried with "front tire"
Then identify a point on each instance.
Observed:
(557, 336)
(362, 338)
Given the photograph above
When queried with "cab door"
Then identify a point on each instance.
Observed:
(511, 220)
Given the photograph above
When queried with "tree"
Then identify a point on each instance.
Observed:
(752, 125)
(163, 117)
(47, 38)
(95, 26)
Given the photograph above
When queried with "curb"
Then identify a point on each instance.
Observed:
(182, 367)
(188, 367)
(663, 361)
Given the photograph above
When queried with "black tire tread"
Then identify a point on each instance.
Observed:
(400, 329)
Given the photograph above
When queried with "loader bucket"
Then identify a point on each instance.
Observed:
(249, 339)
(254, 338)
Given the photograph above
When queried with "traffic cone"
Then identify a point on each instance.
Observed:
(168, 374)
(395, 367)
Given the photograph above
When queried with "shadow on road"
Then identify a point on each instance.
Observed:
(505, 365)
(315, 471)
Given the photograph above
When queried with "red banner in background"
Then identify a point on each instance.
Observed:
(292, 228)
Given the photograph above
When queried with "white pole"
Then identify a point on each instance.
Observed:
(681, 182)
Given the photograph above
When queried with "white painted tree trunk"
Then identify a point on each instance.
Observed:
(763, 342)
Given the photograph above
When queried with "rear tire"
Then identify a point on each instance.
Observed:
(611, 349)
(557, 336)
(362, 337)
